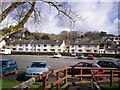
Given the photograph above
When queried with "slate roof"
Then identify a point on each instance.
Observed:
(84, 42)
(54, 42)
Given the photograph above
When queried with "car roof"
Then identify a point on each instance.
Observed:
(86, 62)
(109, 60)
(7, 60)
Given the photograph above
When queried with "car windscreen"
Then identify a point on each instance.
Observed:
(38, 64)
(4, 63)
(118, 64)
(95, 65)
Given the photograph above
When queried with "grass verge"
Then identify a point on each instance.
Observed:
(7, 84)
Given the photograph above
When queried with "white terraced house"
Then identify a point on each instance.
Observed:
(36, 45)
(83, 46)
(113, 47)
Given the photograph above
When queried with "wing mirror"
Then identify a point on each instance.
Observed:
(48, 66)
(27, 66)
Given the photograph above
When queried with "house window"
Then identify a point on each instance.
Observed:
(52, 45)
(59, 45)
(26, 45)
(14, 49)
(38, 45)
(72, 50)
(44, 49)
(80, 50)
(59, 50)
(88, 50)
(20, 49)
(72, 45)
(38, 50)
(13, 44)
(20, 45)
(26, 49)
(8, 44)
(95, 50)
(52, 49)
(79, 46)
(45, 45)
(116, 38)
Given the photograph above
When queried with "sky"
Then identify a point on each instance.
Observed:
(97, 15)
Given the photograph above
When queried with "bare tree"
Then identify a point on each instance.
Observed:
(23, 18)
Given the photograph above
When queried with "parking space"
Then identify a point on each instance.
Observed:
(25, 60)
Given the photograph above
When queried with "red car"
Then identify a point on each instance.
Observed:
(85, 71)
(90, 57)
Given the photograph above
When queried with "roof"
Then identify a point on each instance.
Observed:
(84, 42)
(6, 60)
(54, 42)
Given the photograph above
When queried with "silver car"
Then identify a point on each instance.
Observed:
(36, 68)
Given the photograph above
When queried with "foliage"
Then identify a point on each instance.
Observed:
(72, 35)
(9, 84)
(92, 35)
(114, 87)
(35, 13)
(45, 37)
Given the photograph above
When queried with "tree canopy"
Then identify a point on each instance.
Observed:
(25, 10)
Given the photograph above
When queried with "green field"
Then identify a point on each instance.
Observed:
(6, 84)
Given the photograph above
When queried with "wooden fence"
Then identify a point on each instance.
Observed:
(110, 75)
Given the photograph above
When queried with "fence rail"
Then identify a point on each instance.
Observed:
(111, 75)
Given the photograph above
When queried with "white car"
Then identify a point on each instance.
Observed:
(57, 55)
(36, 68)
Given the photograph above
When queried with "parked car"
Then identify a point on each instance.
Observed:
(109, 64)
(57, 55)
(36, 68)
(8, 66)
(73, 54)
(85, 71)
(80, 56)
(90, 57)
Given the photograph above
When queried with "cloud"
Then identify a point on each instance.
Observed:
(7, 22)
(98, 15)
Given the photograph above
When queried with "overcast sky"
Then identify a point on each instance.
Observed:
(98, 15)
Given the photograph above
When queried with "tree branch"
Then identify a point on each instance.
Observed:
(9, 9)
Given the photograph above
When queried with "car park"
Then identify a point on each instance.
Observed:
(8, 66)
(36, 68)
(85, 71)
(80, 56)
(57, 55)
(90, 56)
(109, 63)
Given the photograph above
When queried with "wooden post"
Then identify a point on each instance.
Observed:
(119, 80)
(65, 74)
(57, 77)
(80, 75)
(111, 78)
(44, 83)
